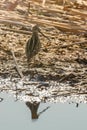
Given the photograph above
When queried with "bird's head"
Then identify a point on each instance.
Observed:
(36, 28)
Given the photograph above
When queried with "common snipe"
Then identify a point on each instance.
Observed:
(33, 45)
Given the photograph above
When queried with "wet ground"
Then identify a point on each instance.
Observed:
(42, 91)
(61, 66)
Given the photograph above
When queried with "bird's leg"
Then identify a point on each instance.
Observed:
(37, 58)
(29, 63)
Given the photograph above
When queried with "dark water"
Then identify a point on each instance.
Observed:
(15, 115)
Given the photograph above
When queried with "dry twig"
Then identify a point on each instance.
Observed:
(17, 67)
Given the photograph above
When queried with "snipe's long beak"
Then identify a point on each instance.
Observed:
(43, 34)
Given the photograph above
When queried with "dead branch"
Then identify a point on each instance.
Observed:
(17, 67)
(76, 43)
(77, 12)
(12, 22)
(65, 27)
(17, 31)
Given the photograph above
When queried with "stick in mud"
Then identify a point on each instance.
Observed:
(17, 67)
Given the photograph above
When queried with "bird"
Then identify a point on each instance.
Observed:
(33, 45)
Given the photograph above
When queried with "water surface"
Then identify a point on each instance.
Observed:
(15, 115)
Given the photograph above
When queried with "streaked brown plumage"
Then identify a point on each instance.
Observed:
(33, 45)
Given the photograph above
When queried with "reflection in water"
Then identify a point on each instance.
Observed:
(34, 109)
(1, 99)
(77, 104)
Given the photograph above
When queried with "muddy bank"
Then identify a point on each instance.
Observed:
(61, 63)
